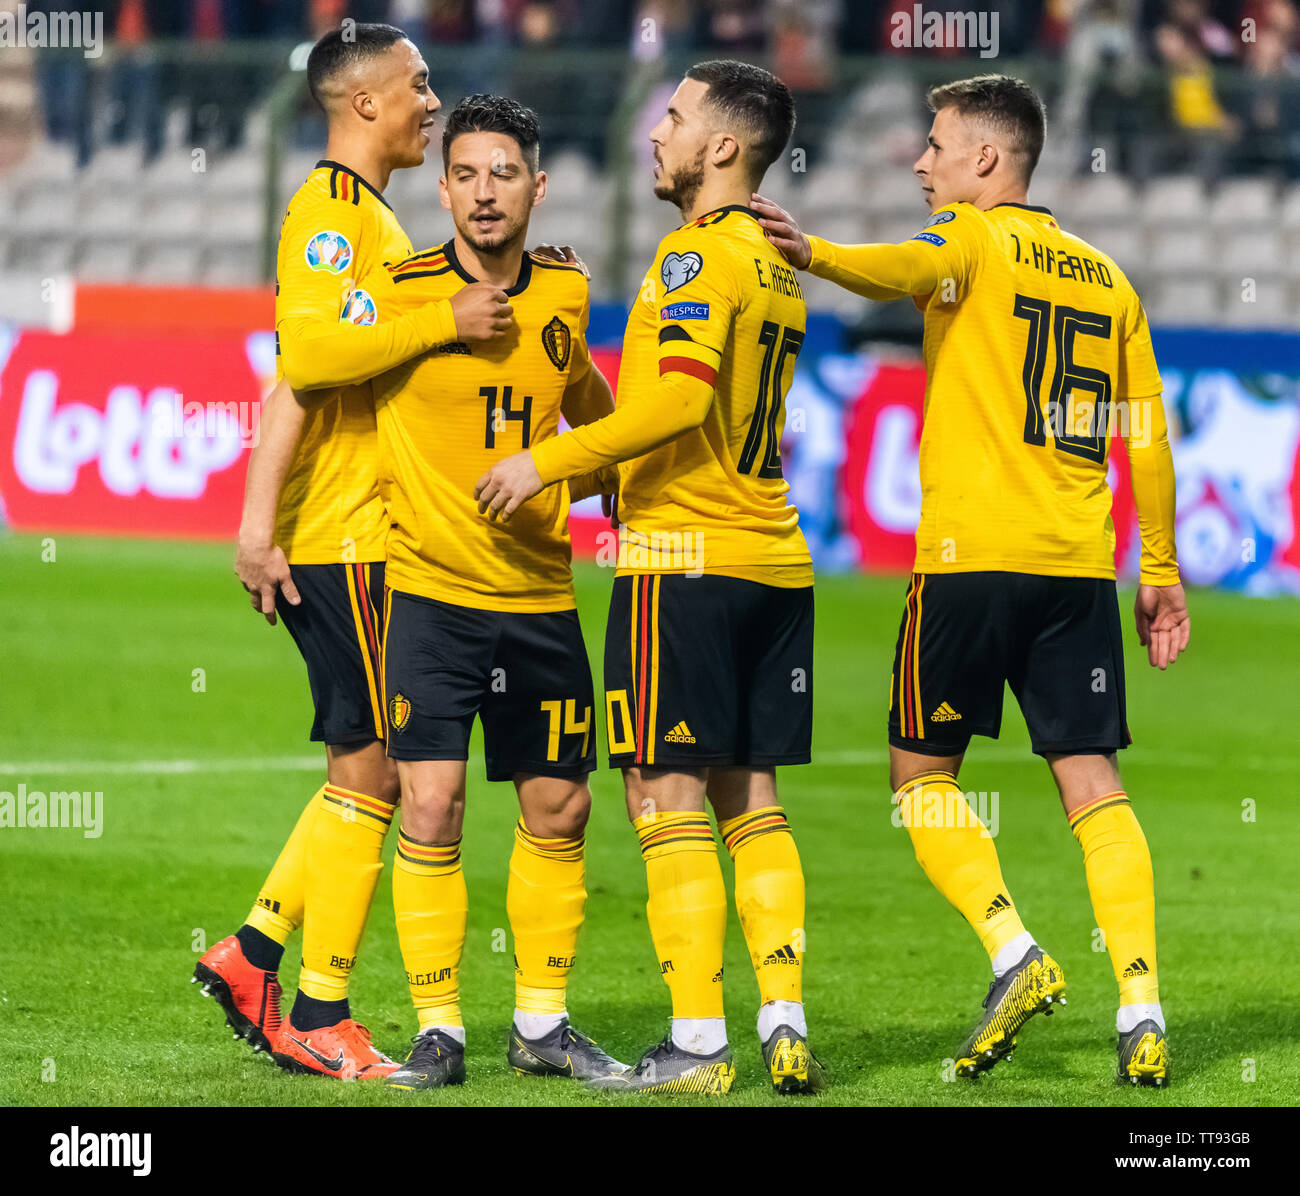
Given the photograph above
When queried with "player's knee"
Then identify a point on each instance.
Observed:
(564, 813)
(431, 814)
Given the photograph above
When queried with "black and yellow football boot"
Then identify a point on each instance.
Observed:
(436, 1060)
(1144, 1057)
(562, 1052)
(668, 1068)
(1034, 985)
(791, 1064)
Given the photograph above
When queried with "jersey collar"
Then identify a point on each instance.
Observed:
(1028, 207)
(731, 207)
(328, 164)
(525, 268)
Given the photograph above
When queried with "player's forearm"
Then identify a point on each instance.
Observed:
(1151, 465)
(587, 400)
(877, 271)
(278, 429)
(316, 355)
(598, 481)
(678, 403)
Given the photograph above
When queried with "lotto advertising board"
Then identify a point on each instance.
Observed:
(139, 419)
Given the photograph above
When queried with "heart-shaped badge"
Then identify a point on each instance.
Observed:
(679, 268)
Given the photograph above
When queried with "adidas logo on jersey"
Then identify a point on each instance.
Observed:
(784, 955)
(945, 714)
(996, 906)
(1137, 968)
(680, 734)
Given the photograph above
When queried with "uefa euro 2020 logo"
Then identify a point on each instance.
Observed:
(330, 251)
(359, 309)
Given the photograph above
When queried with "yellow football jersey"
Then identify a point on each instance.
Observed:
(445, 418)
(1036, 350)
(719, 304)
(337, 228)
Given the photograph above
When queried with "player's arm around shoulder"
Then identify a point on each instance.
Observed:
(947, 251)
(319, 261)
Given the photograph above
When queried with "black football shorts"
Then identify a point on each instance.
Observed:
(526, 676)
(338, 629)
(965, 636)
(708, 671)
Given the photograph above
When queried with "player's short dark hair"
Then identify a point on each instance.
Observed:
(344, 47)
(1010, 105)
(483, 113)
(756, 100)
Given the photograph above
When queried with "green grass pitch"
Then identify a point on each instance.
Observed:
(99, 936)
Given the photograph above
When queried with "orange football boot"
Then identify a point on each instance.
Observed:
(342, 1050)
(249, 996)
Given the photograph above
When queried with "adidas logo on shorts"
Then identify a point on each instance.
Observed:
(680, 734)
(945, 714)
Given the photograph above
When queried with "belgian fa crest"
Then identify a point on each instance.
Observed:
(557, 341)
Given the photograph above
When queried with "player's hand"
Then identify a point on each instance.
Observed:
(783, 232)
(1163, 624)
(562, 253)
(609, 508)
(507, 485)
(262, 570)
(482, 312)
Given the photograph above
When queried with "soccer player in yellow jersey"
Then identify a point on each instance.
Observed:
(480, 618)
(1036, 351)
(318, 554)
(708, 650)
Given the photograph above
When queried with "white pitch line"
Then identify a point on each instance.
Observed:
(978, 755)
(846, 758)
(165, 767)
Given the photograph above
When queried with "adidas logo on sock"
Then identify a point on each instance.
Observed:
(945, 714)
(680, 734)
(1137, 968)
(784, 955)
(996, 906)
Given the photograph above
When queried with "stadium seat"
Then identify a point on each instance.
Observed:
(1177, 200)
(1239, 202)
(1184, 302)
(1267, 310)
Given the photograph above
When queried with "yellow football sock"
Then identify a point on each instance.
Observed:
(769, 899)
(956, 852)
(278, 912)
(342, 869)
(545, 901)
(431, 906)
(687, 908)
(1118, 865)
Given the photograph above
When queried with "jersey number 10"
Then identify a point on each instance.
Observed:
(1064, 404)
(778, 344)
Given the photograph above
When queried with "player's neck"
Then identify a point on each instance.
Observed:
(999, 193)
(501, 269)
(364, 161)
(715, 193)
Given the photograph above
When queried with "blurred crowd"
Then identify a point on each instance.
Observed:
(1225, 92)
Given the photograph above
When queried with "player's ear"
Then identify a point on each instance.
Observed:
(443, 193)
(539, 187)
(726, 151)
(363, 104)
(987, 160)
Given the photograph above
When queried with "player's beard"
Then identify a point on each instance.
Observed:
(501, 241)
(684, 184)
